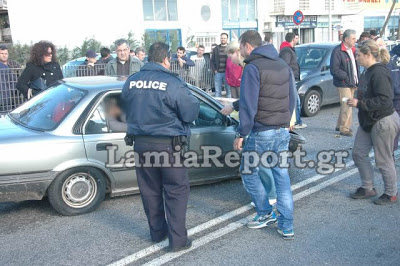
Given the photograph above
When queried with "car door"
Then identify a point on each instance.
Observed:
(330, 93)
(212, 133)
(108, 148)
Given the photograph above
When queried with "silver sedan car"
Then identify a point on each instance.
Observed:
(62, 144)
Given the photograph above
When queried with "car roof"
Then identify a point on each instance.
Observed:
(102, 83)
(319, 45)
(95, 83)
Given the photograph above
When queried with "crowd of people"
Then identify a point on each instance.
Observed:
(263, 81)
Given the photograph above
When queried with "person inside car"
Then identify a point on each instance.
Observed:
(116, 118)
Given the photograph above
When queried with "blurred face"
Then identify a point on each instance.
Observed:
(350, 41)
(3, 56)
(123, 52)
(296, 39)
(235, 57)
(224, 39)
(132, 53)
(166, 63)
(364, 59)
(245, 50)
(114, 110)
(48, 56)
(91, 60)
(200, 52)
(141, 55)
(180, 53)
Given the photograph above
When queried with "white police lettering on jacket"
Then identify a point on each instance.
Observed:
(148, 84)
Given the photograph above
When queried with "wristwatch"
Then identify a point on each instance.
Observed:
(238, 136)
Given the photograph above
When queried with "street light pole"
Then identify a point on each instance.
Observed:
(329, 22)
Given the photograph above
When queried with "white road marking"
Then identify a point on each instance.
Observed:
(236, 225)
(232, 226)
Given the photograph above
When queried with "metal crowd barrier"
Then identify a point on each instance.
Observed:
(71, 71)
(10, 98)
(199, 75)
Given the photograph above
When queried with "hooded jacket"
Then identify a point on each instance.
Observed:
(288, 54)
(267, 92)
(377, 102)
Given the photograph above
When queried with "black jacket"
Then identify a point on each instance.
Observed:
(158, 103)
(342, 69)
(288, 55)
(50, 72)
(377, 102)
(267, 92)
(214, 61)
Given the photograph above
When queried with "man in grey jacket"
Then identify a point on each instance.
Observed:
(124, 64)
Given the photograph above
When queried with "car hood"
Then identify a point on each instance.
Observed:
(11, 132)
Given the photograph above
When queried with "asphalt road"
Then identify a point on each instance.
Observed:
(330, 228)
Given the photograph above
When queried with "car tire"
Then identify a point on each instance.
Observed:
(77, 191)
(312, 103)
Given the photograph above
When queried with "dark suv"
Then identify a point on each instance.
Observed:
(316, 82)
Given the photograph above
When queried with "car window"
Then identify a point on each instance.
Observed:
(208, 116)
(310, 58)
(108, 117)
(48, 109)
(97, 123)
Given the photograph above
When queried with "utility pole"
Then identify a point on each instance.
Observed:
(330, 22)
(387, 19)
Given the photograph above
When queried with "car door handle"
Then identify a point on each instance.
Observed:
(102, 146)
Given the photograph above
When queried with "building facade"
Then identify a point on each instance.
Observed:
(178, 22)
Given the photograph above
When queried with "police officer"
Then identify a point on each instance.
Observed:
(159, 108)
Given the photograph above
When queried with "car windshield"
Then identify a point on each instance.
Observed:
(309, 57)
(46, 111)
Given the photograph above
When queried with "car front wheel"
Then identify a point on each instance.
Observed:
(77, 191)
(312, 103)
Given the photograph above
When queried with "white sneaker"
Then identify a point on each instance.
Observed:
(300, 126)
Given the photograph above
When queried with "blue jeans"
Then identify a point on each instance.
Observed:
(298, 111)
(267, 179)
(219, 78)
(273, 141)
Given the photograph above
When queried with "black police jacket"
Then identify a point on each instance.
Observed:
(158, 103)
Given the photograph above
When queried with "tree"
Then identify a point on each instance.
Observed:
(20, 52)
(63, 55)
(88, 44)
(388, 17)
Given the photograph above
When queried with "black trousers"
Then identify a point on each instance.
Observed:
(164, 192)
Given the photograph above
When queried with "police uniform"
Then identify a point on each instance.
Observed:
(159, 107)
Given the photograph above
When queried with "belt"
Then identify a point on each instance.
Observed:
(154, 139)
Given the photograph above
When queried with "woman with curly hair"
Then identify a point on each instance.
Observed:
(41, 71)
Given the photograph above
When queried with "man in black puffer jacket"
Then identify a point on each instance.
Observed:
(345, 72)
